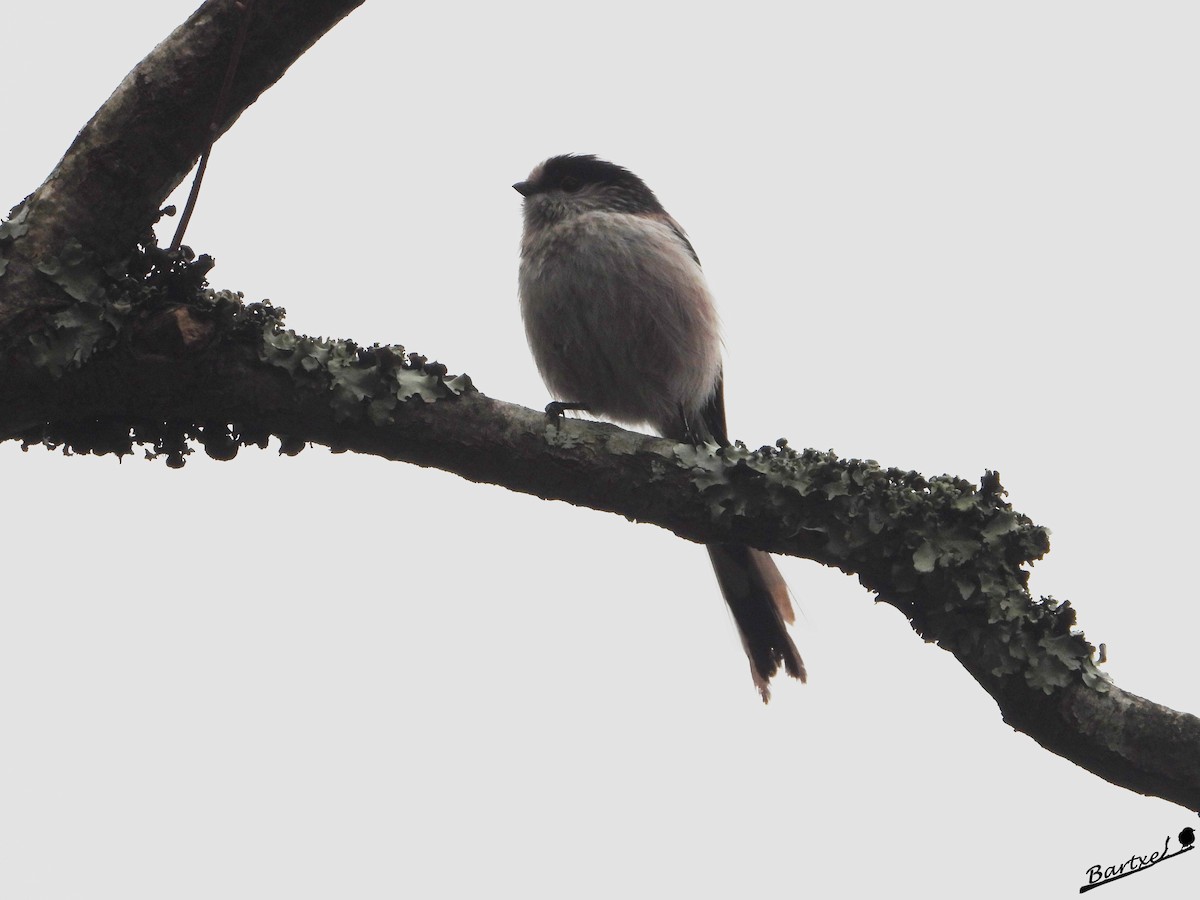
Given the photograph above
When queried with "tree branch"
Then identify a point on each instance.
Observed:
(106, 348)
(108, 187)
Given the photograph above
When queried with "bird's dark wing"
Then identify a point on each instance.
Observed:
(682, 235)
(713, 414)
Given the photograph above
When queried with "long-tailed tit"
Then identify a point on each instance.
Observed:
(622, 324)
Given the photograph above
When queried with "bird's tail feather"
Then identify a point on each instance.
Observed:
(758, 598)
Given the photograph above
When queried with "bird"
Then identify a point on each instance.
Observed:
(622, 325)
(1187, 837)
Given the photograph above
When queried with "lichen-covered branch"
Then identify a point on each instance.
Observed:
(166, 361)
(109, 343)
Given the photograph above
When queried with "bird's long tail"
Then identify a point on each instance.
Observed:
(758, 598)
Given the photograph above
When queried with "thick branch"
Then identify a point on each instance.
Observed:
(948, 554)
(107, 189)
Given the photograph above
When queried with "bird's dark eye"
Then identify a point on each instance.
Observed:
(570, 184)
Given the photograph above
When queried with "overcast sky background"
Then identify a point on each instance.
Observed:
(944, 236)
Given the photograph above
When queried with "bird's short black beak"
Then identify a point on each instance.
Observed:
(524, 188)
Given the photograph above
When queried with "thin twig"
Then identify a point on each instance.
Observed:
(222, 100)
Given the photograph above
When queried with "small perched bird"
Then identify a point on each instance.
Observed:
(622, 325)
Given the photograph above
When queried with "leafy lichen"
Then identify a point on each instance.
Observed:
(363, 383)
(12, 228)
(951, 553)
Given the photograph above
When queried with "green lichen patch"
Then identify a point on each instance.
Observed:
(949, 553)
(12, 228)
(124, 303)
(363, 382)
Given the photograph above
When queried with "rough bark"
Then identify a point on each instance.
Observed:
(102, 346)
(146, 137)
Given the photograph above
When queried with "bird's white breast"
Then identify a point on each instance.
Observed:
(619, 316)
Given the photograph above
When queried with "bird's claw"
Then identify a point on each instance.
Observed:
(556, 408)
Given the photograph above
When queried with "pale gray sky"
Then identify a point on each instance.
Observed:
(944, 236)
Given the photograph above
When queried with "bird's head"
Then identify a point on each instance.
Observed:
(570, 185)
